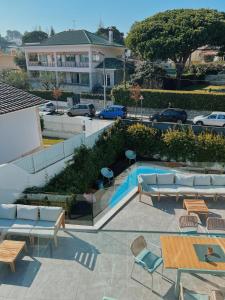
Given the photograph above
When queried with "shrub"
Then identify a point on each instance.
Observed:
(179, 145)
(182, 99)
(142, 139)
(48, 95)
(95, 96)
(210, 148)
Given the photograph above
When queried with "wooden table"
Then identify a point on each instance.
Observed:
(196, 206)
(178, 253)
(10, 250)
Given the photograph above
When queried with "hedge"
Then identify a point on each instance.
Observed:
(181, 99)
(94, 96)
(45, 94)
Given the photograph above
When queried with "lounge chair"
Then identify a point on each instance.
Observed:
(144, 257)
(188, 224)
(215, 225)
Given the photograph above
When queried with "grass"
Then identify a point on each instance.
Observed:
(48, 142)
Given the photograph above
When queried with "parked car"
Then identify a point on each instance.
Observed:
(216, 118)
(176, 115)
(113, 112)
(87, 110)
(48, 107)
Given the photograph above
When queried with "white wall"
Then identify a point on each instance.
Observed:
(19, 134)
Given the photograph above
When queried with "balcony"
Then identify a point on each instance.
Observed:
(72, 64)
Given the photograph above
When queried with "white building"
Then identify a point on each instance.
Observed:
(20, 131)
(74, 59)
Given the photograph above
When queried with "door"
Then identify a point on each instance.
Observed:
(109, 113)
(220, 120)
(211, 120)
(167, 116)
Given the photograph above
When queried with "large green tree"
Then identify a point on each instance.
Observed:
(175, 34)
(34, 37)
(118, 37)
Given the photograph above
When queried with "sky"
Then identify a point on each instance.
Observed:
(26, 15)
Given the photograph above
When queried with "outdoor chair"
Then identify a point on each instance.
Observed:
(107, 173)
(215, 225)
(188, 224)
(130, 155)
(191, 295)
(145, 258)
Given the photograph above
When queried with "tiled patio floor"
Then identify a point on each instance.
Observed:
(92, 265)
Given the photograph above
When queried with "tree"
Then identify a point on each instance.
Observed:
(18, 79)
(118, 37)
(12, 35)
(20, 60)
(175, 34)
(34, 37)
(148, 75)
(3, 43)
(52, 31)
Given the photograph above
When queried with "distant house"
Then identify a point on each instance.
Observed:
(20, 131)
(206, 54)
(75, 58)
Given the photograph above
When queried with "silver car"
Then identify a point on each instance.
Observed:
(216, 118)
(87, 110)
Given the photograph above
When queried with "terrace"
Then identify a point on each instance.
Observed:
(90, 265)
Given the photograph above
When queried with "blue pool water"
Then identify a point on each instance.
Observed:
(130, 182)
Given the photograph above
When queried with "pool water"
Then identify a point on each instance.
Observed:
(130, 182)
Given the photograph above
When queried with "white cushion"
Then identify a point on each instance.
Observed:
(148, 178)
(5, 224)
(8, 211)
(27, 212)
(165, 179)
(185, 180)
(22, 227)
(218, 180)
(168, 188)
(187, 190)
(202, 180)
(43, 229)
(50, 213)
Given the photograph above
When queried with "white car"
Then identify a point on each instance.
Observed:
(48, 107)
(216, 118)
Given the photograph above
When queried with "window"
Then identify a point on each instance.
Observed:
(84, 78)
(108, 83)
(212, 117)
(84, 58)
(168, 112)
(75, 78)
(95, 57)
(34, 74)
(221, 117)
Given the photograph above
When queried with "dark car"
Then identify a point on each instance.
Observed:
(175, 115)
(87, 110)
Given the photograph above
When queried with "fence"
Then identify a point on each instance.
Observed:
(44, 158)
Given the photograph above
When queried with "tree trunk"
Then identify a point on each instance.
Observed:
(180, 70)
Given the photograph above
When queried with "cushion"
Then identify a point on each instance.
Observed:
(50, 213)
(5, 224)
(27, 212)
(185, 180)
(43, 229)
(8, 211)
(168, 188)
(218, 179)
(202, 180)
(22, 227)
(165, 178)
(149, 178)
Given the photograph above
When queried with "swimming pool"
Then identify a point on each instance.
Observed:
(130, 182)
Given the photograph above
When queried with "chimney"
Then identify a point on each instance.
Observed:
(110, 35)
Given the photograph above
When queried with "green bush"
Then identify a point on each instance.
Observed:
(182, 99)
(142, 139)
(178, 145)
(95, 96)
(49, 96)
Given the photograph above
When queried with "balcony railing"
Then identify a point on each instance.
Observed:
(41, 64)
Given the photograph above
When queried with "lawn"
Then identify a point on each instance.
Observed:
(48, 142)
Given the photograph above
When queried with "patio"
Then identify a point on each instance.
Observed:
(88, 265)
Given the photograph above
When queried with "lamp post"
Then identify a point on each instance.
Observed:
(104, 78)
(141, 98)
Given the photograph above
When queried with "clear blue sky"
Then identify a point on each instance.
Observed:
(27, 14)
